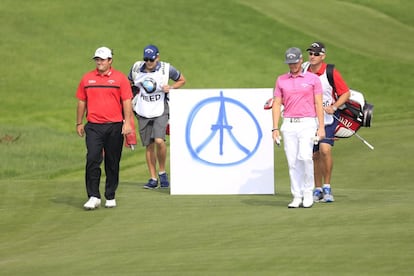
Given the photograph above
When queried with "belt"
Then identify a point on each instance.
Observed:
(299, 119)
(295, 120)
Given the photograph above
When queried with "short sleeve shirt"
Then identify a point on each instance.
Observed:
(298, 94)
(173, 73)
(104, 95)
(340, 85)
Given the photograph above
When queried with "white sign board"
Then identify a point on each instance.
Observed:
(221, 142)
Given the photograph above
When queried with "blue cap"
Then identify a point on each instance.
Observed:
(151, 51)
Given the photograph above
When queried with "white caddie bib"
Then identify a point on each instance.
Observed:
(327, 98)
(149, 102)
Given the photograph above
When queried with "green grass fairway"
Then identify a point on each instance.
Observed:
(47, 46)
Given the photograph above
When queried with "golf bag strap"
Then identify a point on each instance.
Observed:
(305, 66)
(329, 75)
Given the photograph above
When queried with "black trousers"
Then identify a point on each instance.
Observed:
(103, 142)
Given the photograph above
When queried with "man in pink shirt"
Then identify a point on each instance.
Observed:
(300, 93)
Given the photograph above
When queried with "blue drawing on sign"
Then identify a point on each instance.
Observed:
(221, 127)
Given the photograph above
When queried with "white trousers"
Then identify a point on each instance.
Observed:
(298, 144)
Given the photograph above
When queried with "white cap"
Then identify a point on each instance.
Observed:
(103, 53)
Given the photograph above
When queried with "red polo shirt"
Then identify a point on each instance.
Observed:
(103, 95)
(339, 82)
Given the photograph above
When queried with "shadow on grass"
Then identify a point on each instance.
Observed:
(267, 200)
(140, 185)
(75, 202)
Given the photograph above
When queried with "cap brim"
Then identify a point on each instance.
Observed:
(315, 50)
(292, 61)
(101, 57)
(151, 56)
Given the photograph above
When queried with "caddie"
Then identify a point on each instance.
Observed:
(150, 84)
(332, 100)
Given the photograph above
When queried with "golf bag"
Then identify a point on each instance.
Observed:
(354, 114)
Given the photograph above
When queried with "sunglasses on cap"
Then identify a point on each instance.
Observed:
(315, 54)
(149, 59)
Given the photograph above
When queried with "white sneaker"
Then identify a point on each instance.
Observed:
(307, 199)
(327, 194)
(92, 203)
(296, 202)
(110, 203)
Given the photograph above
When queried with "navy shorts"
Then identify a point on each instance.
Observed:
(329, 135)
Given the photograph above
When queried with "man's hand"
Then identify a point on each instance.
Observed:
(330, 109)
(80, 130)
(126, 128)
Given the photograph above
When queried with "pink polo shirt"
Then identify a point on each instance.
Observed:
(298, 94)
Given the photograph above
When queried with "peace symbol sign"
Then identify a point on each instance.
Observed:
(223, 144)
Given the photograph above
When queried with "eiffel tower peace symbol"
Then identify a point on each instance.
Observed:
(229, 139)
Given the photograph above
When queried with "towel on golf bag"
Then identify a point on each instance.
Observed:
(167, 130)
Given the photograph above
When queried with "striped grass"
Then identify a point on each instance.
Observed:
(46, 47)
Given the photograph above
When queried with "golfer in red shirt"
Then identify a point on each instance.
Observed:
(104, 95)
